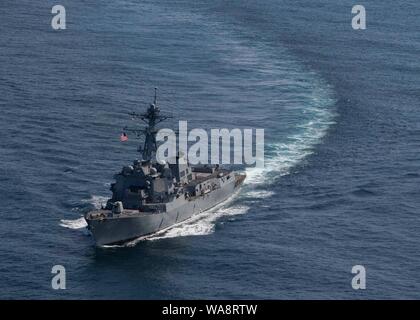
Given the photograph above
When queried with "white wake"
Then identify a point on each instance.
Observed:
(74, 224)
(80, 223)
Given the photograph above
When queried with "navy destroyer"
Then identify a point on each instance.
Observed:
(149, 195)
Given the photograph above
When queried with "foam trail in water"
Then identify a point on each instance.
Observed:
(74, 224)
(288, 91)
(97, 201)
(201, 224)
(259, 194)
(80, 223)
(281, 157)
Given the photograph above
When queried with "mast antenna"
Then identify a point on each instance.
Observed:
(155, 102)
(151, 117)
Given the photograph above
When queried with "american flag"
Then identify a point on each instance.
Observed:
(123, 137)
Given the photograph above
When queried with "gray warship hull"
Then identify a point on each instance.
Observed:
(132, 224)
(154, 194)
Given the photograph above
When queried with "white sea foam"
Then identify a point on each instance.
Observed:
(260, 194)
(201, 224)
(303, 96)
(297, 146)
(97, 201)
(74, 224)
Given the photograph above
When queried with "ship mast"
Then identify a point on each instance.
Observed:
(151, 117)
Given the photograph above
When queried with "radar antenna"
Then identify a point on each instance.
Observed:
(151, 117)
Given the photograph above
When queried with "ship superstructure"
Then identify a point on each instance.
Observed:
(149, 196)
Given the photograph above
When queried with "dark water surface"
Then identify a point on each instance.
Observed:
(340, 109)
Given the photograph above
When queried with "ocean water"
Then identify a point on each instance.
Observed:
(340, 109)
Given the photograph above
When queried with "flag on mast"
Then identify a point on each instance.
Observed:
(123, 137)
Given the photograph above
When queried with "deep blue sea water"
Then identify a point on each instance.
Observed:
(340, 109)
